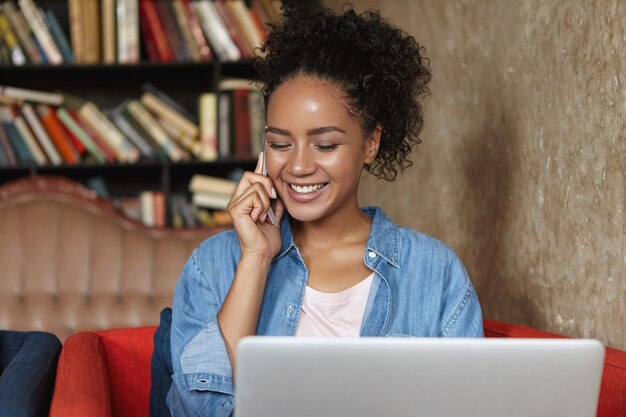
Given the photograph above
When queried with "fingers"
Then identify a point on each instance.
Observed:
(250, 178)
(259, 165)
(253, 201)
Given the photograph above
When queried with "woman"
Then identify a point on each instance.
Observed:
(342, 95)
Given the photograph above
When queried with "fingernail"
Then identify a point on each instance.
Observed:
(263, 217)
(273, 193)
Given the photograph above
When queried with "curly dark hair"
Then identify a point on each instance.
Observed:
(380, 68)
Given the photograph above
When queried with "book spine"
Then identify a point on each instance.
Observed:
(150, 18)
(74, 8)
(156, 148)
(127, 32)
(210, 200)
(109, 41)
(56, 133)
(208, 126)
(224, 143)
(150, 88)
(146, 203)
(150, 125)
(210, 184)
(215, 31)
(76, 143)
(18, 142)
(17, 55)
(102, 145)
(186, 142)
(41, 31)
(29, 139)
(59, 36)
(241, 117)
(235, 33)
(158, 204)
(73, 126)
(22, 30)
(242, 14)
(33, 145)
(129, 131)
(32, 95)
(256, 110)
(108, 133)
(151, 102)
(172, 31)
(185, 29)
(41, 134)
(196, 30)
(5, 143)
(91, 31)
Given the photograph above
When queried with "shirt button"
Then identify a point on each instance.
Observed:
(289, 310)
(371, 254)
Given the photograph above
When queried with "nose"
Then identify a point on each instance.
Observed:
(302, 161)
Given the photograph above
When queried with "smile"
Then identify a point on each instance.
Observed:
(307, 189)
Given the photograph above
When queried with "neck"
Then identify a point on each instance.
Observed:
(349, 225)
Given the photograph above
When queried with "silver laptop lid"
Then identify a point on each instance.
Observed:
(417, 377)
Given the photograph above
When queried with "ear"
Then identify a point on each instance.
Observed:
(372, 143)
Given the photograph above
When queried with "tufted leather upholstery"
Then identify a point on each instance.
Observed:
(70, 262)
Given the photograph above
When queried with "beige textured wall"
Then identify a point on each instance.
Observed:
(522, 169)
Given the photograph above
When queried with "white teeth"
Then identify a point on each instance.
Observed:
(306, 189)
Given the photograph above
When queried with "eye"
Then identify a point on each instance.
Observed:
(278, 146)
(327, 147)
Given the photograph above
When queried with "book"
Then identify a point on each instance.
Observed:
(170, 115)
(152, 127)
(208, 126)
(41, 134)
(171, 30)
(161, 95)
(146, 205)
(224, 147)
(43, 97)
(186, 212)
(183, 24)
(245, 22)
(127, 31)
(58, 36)
(10, 39)
(18, 143)
(5, 144)
(73, 126)
(75, 12)
(76, 143)
(235, 32)
(158, 206)
(91, 31)
(256, 112)
(209, 184)
(241, 123)
(216, 31)
(155, 147)
(122, 123)
(210, 200)
(106, 131)
(154, 33)
(109, 41)
(101, 145)
(196, 31)
(42, 34)
(23, 31)
(28, 137)
(57, 134)
(186, 142)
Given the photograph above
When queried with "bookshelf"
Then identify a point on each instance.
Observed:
(107, 85)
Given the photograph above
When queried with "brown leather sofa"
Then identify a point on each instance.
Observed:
(70, 261)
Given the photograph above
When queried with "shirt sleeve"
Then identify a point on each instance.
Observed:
(464, 317)
(202, 383)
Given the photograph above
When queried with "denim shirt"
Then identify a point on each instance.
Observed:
(420, 288)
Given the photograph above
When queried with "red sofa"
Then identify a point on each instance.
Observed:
(107, 373)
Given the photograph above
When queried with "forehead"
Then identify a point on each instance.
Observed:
(310, 99)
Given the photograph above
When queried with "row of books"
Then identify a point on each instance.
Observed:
(110, 31)
(57, 128)
(207, 207)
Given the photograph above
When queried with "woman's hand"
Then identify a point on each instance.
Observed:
(248, 209)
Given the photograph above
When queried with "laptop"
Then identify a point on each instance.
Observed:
(417, 377)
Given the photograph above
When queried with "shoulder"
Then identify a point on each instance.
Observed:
(221, 246)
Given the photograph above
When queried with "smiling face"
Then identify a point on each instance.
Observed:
(316, 149)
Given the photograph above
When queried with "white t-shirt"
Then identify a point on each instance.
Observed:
(334, 314)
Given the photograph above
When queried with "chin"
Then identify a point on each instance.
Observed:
(305, 214)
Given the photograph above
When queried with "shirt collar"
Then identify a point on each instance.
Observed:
(383, 238)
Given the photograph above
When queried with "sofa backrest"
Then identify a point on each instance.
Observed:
(70, 261)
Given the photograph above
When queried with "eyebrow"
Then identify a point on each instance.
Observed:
(310, 132)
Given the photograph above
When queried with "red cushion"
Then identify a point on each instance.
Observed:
(82, 384)
(612, 402)
(128, 356)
